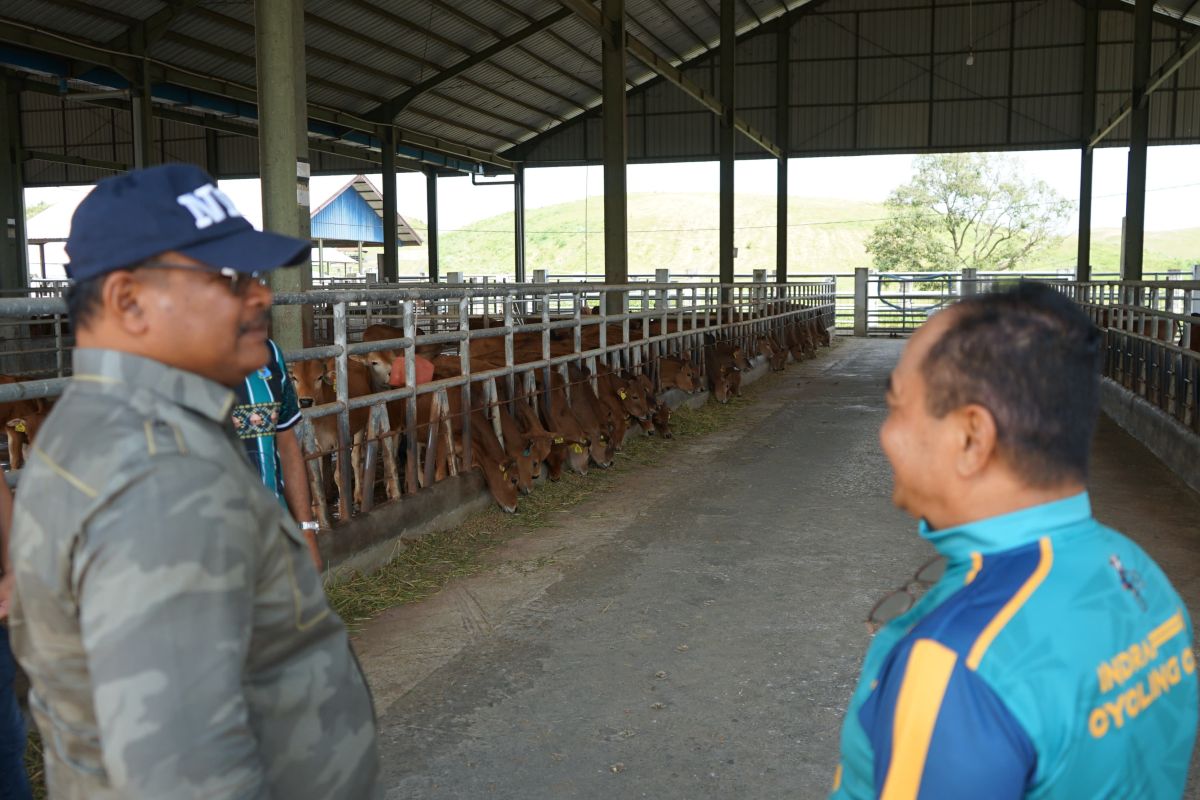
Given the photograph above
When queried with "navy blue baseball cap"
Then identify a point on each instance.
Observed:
(131, 217)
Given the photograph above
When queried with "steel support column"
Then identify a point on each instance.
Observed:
(519, 224)
(783, 114)
(391, 263)
(612, 42)
(14, 268)
(284, 175)
(728, 56)
(1139, 140)
(431, 238)
(142, 109)
(1087, 123)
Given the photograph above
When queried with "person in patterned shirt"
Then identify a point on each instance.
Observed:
(265, 414)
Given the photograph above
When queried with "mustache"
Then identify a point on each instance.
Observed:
(261, 322)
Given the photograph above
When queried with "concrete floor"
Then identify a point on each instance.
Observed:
(696, 631)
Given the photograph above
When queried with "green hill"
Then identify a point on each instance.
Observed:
(1164, 250)
(679, 232)
(674, 231)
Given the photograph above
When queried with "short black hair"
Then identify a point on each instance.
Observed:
(1032, 358)
(84, 299)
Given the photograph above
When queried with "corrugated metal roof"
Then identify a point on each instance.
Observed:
(870, 75)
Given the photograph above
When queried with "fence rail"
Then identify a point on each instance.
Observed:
(1152, 339)
(654, 319)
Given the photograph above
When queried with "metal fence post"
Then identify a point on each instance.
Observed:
(860, 301)
(969, 286)
(342, 391)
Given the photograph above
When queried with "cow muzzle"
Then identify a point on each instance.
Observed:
(306, 402)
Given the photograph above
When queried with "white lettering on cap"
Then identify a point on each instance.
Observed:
(209, 205)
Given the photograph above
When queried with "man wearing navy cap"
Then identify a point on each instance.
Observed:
(177, 638)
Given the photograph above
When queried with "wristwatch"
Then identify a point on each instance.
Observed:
(310, 526)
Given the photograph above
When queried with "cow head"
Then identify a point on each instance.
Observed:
(739, 359)
(822, 332)
(662, 421)
(633, 398)
(502, 481)
(721, 383)
(379, 368)
(315, 381)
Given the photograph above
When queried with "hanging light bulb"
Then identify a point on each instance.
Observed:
(971, 32)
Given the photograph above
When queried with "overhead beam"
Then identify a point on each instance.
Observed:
(669, 72)
(77, 161)
(18, 33)
(1157, 78)
(387, 111)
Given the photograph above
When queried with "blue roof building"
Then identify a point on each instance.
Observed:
(354, 215)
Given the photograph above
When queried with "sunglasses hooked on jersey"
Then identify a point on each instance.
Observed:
(897, 602)
(239, 282)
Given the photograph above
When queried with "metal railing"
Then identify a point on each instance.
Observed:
(1152, 339)
(897, 303)
(655, 320)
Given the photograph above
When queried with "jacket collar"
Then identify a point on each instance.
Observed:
(125, 372)
(1010, 530)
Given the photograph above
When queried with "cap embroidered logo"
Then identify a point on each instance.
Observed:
(209, 205)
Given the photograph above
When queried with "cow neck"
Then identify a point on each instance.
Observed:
(119, 372)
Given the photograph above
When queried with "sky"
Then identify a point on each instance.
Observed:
(1172, 201)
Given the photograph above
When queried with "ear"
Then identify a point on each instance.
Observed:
(975, 431)
(123, 298)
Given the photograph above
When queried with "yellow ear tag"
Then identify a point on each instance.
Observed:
(502, 469)
(558, 440)
(20, 427)
(621, 394)
(576, 448)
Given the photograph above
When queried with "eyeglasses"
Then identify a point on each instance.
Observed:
(901, 600)
(239, 282)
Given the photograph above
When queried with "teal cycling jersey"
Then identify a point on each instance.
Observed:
(1052, 659)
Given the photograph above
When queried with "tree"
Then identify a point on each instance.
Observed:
(966, 210)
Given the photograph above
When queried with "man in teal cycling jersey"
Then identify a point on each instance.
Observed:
(1052, 658)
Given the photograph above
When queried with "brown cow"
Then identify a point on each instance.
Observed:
(677, 373)
(660, 419)
(592, 416)
(23, 428)
(316, 383)
(724, 363)
(380, 361)
(776, 356)
(31, 410)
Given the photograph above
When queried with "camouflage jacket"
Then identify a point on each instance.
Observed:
(176, 635)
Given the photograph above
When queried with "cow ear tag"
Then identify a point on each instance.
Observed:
(20, 427)
(621, 394)
(558, 440)
(576, 448)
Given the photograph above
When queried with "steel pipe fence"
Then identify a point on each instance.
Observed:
(655, 320)
(897, 303)
(1151, 339)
